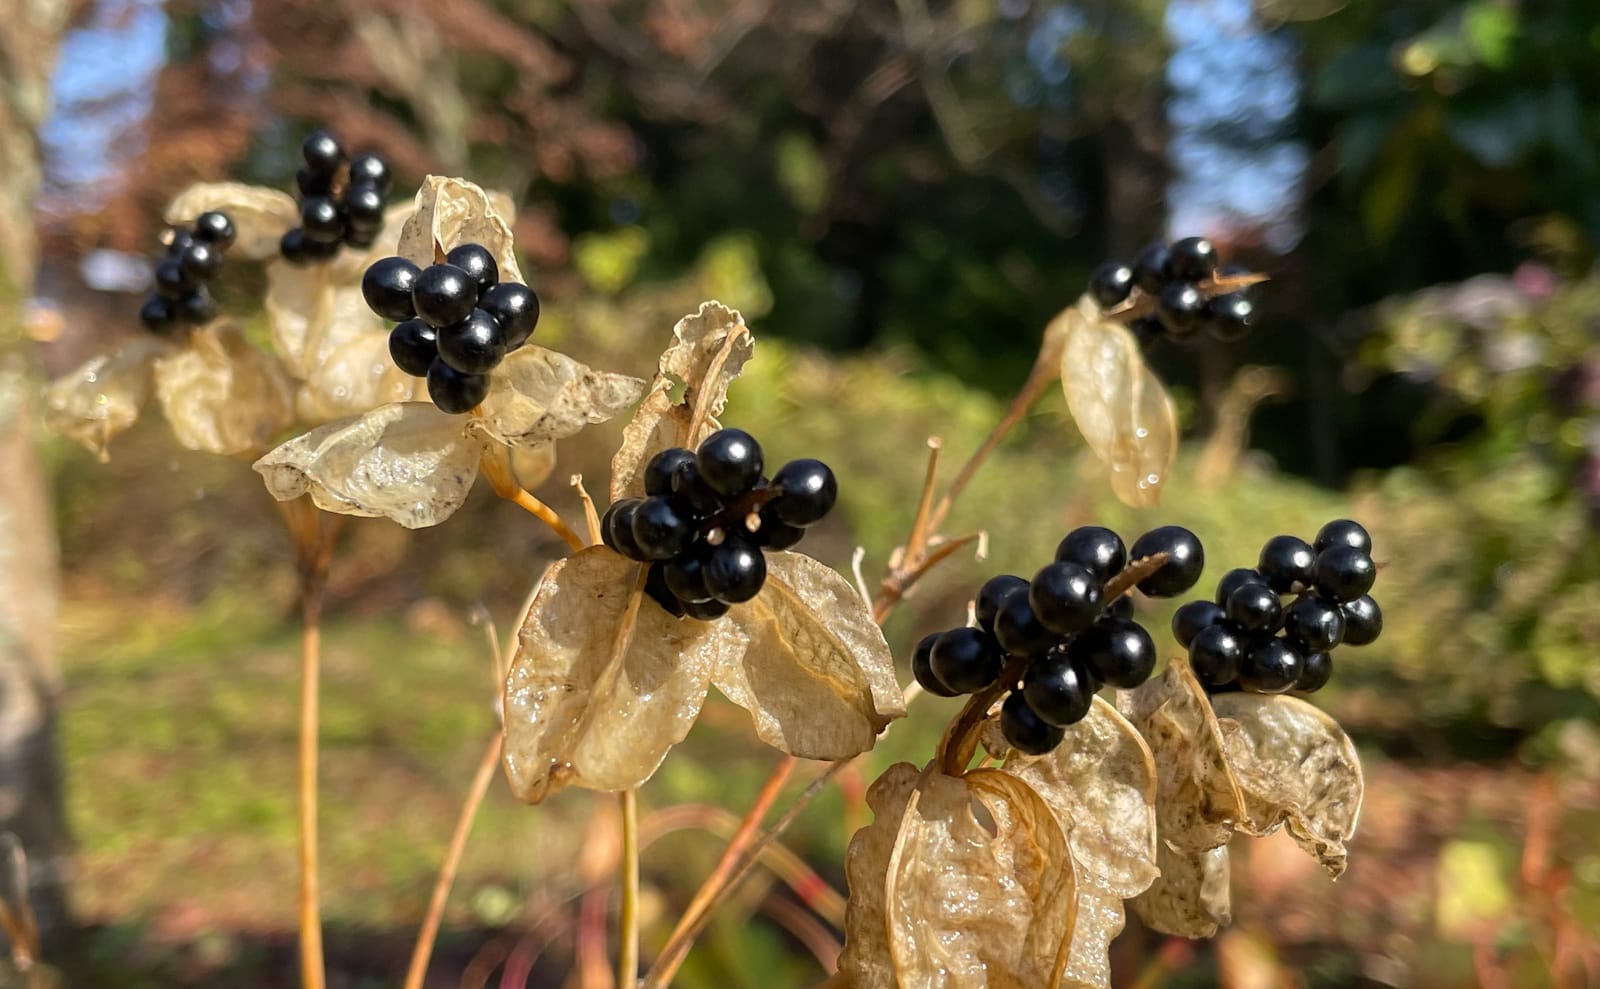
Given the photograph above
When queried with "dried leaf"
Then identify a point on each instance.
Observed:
(451, 212)
(222, 395)
(539, 395)
(1191, 898)
(103, 397)
(1296, 767)
(814, 670)
(261, 216)
(355, 378)
(1118, 403)
(1098, 921)
(409, 463)
(941, 898)
(596, 702)
(709, 349)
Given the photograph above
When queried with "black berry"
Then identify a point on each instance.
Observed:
(1066, 597)
(1019, 630)
(1286, 561)
(200, 261)
(1229, 317)
(1120, 653)
(966, 659)
(1180, 307)
(1146, 331)
(477, 262)
(1059, 688)
(371, 169)
(1096, 549)
(413, 345)
(455, 392)
(1122, 607)
(197, 307)
(705, 610)
(516, 307)
(1254, 608)
(688, 485)
(730, 462)
(322, 152)
(1150, 268)
(443, 294)
(1343, 532)
(171, 280)
(387, 286)
(735, 570)
(1188, 620)
(158, 315)
(661, 529)
(321, 220)
(775, 533)
(992, 594)
(1192, 259)
(313, 183)
(1110, 284)
(1313, 625)
(1024, 730)
(655, 585)
(1270, 667)
(1315, 672)
(659, 471)
(685, 576)
(922, 668)
(1233, 580)
(1343, 573)
(215, 229)
(1185, 559)
(363, 206)
(808, 491)
(292, 245)
(1215, 654)
(474, 345)
(617, 527)
(1363, 621)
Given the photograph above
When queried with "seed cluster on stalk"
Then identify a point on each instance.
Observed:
(1067, 638)
(456, 321)
(182, 296)
(341, 200)
(1251, 638)
(708, 515)
(1182, 284)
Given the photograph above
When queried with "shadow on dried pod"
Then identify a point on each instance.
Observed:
(1251, 765)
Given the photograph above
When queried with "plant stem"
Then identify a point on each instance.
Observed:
(311, 962)
(452, 862)
(497, 469)
(628, 914)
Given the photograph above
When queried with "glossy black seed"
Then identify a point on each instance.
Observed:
(1363, 621)
(516, 307)
(993, 592)
(1270, 667)
(685, 575)
(1059, 688)
(1286, 561)
(321, 152)
(371, 169)
(730, 462)
(1185, 559)
(455, 392)
(658, 472)
(1122, 607)
(387, 286)
(1066, 597)
(735, 570)
(1146, 331)
(655, 585)
(1018, 630)
(363, 206)
(1254, 608)
(1343, 573)
(616, 529)
(693, 491)
(177, 240)
(1343, 532)
(966, 659)
(215, 229)
(317, 250)
(1024, 730)
(292, 245)
(171, 280)
(808, 491)
(201, 261)
(1120, 653)
(1150, 267)
(363, 239)
(1192, 259)
(922, 668)
(477, 262)
(1215, 654)
(1233, 580)
(1315, 672)
(1096, 549)
(775, 533)
(1181, 308)
(1229, 317)
(1110, 284)
(1313, 625)
(661, 529)
(413, 346)
(313, 183)
(443, 294)
(197, 307)
(474, 345)
(158, 315)
(321, 220)
(1188, 620)
(705, 610)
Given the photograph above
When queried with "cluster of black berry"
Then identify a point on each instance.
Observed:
(708, 515)
(1248, 639)
(456, 320)
(1171, 276)
(338, 204)
(193, 257)
(1071, 639)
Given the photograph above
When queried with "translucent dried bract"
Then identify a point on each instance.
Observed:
(540, 395)
(1118, 403)
(103, 397)
(708, 350)
(1191, 898)
(942, 898)
(222, 395)
(451, 212)
(261, 216)
(605, 682)
(409, 463)
(1297, 768)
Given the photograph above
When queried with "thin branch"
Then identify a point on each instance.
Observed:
(628, 915)
(506, 486)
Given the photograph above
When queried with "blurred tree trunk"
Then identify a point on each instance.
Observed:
(30, 772)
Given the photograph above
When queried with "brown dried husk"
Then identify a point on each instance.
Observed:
(1117, 402)
(595, 698)
(1191, 897)
(103, 397)
(261, 216)
(941, 898)
(222, 395)
(408, 462)
(355, 378)
(451, 212)
(539, 396)
(709, 349)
